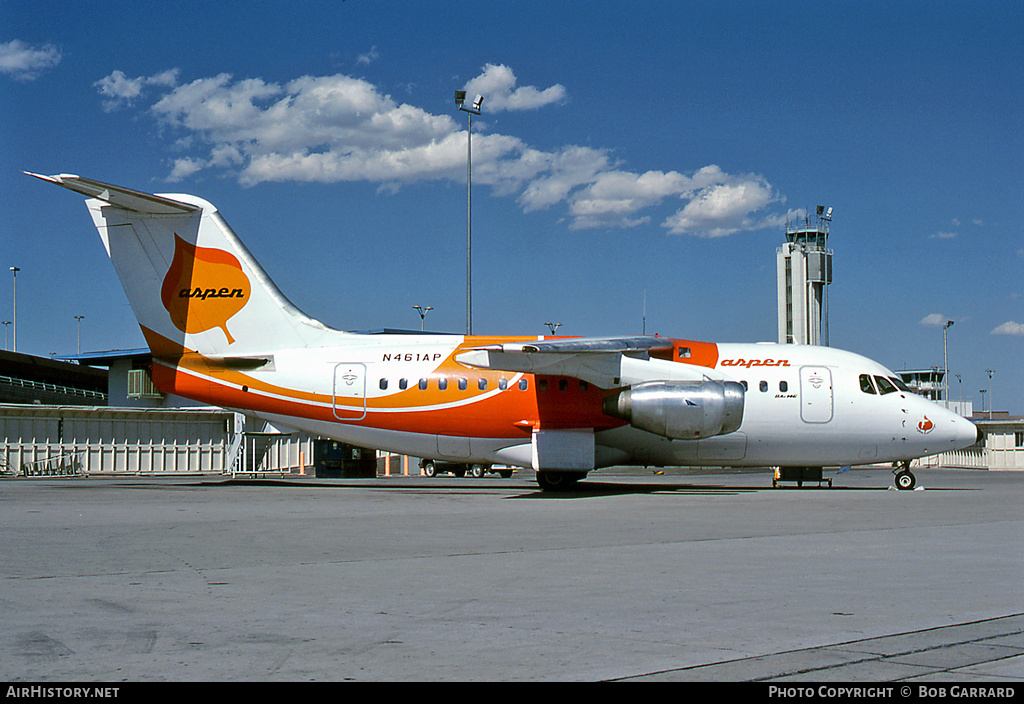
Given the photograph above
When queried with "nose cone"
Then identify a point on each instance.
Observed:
(966, 433)
(977, 433)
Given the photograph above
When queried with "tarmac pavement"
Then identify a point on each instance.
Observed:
(696, 576)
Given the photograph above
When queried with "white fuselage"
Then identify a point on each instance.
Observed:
(803, 406)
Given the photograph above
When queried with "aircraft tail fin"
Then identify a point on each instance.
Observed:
(192, 284)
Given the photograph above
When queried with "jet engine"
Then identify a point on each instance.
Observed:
(683, 410)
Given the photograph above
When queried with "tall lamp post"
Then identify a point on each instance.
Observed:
(990, 373)
(422, 310)
(945, 363)
(15, 271)
(553, 326)
(78, 319)
(474, 109)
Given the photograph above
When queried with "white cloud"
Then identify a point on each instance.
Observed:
(27, 63)
(943, 236)
(726, 205)
(1009, 328)
(184, 168)
(369, 57)
(122, 91)
(933, 320)
(498, 86)
(340, 128)
(614, 197)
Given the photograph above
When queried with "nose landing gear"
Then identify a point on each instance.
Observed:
(905, 479)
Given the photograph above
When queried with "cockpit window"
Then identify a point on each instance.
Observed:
(899, 384)
(884, 385)
(865, 384)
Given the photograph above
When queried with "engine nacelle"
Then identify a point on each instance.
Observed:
(683, 410)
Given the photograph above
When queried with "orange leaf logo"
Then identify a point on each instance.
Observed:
(203, 288)
(925, 426)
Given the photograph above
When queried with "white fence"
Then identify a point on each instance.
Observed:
(90, 440)
(72, 440)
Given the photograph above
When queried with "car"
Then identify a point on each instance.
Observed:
(431, 468)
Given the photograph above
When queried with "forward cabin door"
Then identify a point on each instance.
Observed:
(815, 394)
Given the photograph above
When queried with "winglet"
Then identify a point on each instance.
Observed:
(119, 197)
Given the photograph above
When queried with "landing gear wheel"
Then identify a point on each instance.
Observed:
(429, 469)
(905, 480)
(559, 481)
(477, 470)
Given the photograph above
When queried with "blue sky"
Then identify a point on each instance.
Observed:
(626, 152)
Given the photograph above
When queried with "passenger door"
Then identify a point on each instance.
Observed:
(815, 394)
(350, 391)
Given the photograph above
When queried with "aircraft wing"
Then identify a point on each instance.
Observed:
(604, 361)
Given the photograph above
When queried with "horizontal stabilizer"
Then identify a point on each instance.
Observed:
(120, 197)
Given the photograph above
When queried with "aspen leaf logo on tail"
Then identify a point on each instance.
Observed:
(203, 288)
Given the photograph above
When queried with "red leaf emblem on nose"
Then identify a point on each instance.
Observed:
(925, 426)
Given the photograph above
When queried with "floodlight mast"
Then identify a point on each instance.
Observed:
(422, 310)
(945, 363)
(14, 304)
(474, 109)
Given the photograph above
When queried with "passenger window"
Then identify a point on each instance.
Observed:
(481, 384)
(423, 384)
(523, 384)
(763, 386)
(442, 384)
(884, 385)
(865, 384)
(502, 384)
(783, 386)
(463, 384)
(383, 384)
(744, 385)
(563, 384)
(542, 384)
(584, 386)
(403, 384)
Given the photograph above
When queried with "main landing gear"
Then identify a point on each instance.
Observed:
(905, 479)
(559, 481)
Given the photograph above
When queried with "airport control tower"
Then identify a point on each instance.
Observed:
(804, 273)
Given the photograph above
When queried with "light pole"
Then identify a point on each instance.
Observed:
(474, 109)
(945, 363)
(553, 326)
(422, 310)
(990, 373)
(15, 271)
(78, 318)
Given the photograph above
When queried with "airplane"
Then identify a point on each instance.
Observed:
(222, 333)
